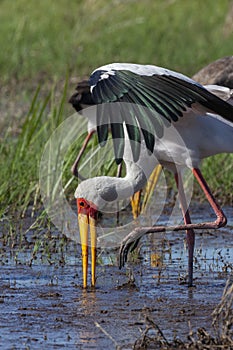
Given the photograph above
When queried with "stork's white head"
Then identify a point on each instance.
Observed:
(98, 190)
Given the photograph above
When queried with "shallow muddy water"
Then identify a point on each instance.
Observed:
(44, 305)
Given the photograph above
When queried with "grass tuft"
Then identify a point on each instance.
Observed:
(21, 155)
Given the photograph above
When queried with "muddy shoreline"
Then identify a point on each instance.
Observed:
(43, 303)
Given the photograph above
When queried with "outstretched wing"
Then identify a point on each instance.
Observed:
(150, 102)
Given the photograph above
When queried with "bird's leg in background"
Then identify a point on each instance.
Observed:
(190, 234)
(135, 204)
(74, 168)
(221, 218)
(150, 186)
(119, 170)
(137, 208)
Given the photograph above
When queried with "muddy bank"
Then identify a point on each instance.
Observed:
(43, 305)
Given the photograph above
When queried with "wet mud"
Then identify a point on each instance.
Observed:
(44, 305)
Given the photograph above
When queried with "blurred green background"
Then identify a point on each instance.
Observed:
(47, 38)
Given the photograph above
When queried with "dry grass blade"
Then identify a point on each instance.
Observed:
(149, 340)
(223, 314)
(153, 338)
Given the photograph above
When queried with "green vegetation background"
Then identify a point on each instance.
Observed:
(47, 45)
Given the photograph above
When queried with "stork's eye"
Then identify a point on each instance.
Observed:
(81, 204)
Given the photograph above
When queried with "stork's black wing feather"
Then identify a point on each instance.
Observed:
(151, 102)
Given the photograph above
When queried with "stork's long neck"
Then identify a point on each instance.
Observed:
(120, 188)
(135, 177)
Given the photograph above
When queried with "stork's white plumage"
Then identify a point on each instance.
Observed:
(155, 115)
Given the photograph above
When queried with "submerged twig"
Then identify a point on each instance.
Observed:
(108, 335)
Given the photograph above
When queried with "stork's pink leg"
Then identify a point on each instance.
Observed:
(190, 234)
(74, 168)
(221, 218)
(128, 242)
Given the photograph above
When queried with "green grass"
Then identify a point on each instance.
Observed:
(41, 43)
(52, 37)
(21, 155)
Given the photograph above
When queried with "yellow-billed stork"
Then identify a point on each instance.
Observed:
(146, 107)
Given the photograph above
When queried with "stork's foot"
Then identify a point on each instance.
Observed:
(129, 243)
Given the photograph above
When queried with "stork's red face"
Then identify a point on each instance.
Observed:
(87, 216)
